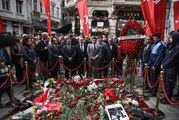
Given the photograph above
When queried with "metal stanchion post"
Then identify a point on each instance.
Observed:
(84, 66)
(113, 67)
(146, 98)
(38, 64)
(27, 74)
(60, 66)
(157, 111)
(11, 86)
(133, 75)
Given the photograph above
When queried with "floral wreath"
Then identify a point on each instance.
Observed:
(132, 46)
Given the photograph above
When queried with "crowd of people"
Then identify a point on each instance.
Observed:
(98, 51)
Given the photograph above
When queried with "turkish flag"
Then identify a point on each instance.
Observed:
(46, 4)
(42, 98)
(154, 12)
(147, 11)
(160, 15)
(1, 25)
(176, 15)
(83, 12)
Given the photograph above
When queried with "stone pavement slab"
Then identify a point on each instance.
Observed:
(18, 91)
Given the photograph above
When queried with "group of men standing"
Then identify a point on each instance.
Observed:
(160, 56)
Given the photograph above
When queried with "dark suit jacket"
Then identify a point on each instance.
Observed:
(42, 53)
(54, 52)
(68, 53)
(81, 54)
(146, 53)
(171, 60)
(110, 53)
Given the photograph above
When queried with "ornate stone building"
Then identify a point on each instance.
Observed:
(28, 16)
(105, 16)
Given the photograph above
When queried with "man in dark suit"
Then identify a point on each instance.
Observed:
(146, 55)
(94, 51)
(81, 54)
(110, 53)
(54, 54)
(69, 53)
(43, 54)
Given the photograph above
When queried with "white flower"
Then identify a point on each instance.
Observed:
(135, 103)
(92, 86)
(76, 78)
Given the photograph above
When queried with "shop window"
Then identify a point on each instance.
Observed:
(100, 23)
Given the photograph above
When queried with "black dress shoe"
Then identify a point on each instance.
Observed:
(147, 91)
(151, 95)
(164, 101)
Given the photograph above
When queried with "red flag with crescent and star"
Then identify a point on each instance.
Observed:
(154, 12)
(176, 15)
(1, 25)
(83, 12)
(46, 4)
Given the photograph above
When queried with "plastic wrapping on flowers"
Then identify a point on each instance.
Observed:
(84, 100)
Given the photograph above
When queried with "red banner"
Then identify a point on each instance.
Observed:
(83, 12)
(1, 25)
(154, 12)
(147, 11)
(176, 15)
(46, 4)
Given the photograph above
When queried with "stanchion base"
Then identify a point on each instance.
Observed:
(145, 98)
(27, 94)
(159, 113)
(135, 87)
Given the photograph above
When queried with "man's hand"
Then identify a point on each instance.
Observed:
(8, 75)
(69, 59)
(35, 61)
(153, 68)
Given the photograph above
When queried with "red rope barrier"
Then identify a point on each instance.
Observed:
(123, 71)
(99, 68)
(48, 70)
(166, 96)
(71, 70)
(147, 76)
(36, 68)
(22, 82)
(4, 83)
(137, 72)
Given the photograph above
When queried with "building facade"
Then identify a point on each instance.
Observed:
(28, 16)
(105, 16)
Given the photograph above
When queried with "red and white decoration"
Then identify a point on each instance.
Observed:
(83, 12)
(154, 12)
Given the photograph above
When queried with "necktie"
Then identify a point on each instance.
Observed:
(94, 47)
(81, 47)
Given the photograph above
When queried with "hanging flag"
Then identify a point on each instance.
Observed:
(176, 15)
(83, 12)
(1, 25)
(154, 12)
(147, 11)
(159, 16)
(46, 4)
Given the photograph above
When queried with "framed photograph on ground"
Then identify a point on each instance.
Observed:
(116, 112)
